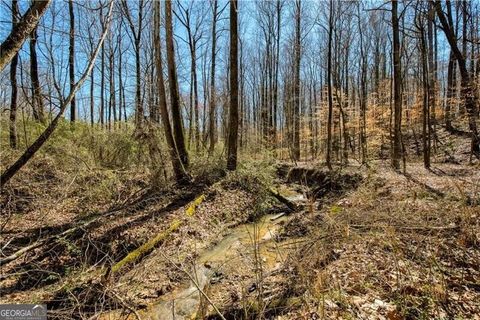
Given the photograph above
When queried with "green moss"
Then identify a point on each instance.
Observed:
(149, 245)
(193, 205)
(146, 247)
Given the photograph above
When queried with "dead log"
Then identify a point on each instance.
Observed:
(290, 204)
(407, 228)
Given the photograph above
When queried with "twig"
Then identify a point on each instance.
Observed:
(196, 285)
(366, 226)
(126, 305)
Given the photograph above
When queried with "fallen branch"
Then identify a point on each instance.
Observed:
(126, 305)
(195, 283)
(62, 235)
(41, 242)
(409, 228)
(290, 204)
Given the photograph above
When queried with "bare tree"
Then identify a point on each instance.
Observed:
(13, 82)
(37, 100)
(296, 85)
(173, 84)
(71, 58)
(21, 31)
(136, 37)
(397, 90)
(212, 116)
(178, 169)
(328, 159)
(64, 102)
(194, 30)
(468, 87)
(233, 111)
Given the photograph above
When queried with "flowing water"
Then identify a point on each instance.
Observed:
(245, 242)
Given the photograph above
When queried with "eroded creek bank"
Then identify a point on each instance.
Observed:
(241, 274)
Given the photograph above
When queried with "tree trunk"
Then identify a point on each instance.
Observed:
(102, 82)
(21, 31)
(329, 88)
(213, 97)
(178, 169)
(296, 86)
(13, 83)
(397, 90)
(71, 58)
(451, 85)
(37, 101)
(426, 136)
(432, 77)
(233, 112)
(173, 84)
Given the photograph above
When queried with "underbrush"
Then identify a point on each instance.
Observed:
(398, 247)
(79, 168)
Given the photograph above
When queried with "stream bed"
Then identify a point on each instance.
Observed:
(249, 248)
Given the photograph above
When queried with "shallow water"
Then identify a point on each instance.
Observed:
(183, 303)
(247, 241)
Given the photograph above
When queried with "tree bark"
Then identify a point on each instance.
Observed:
(296, 86)
(13, 83)
(213, 97)
(173, 84)
(71, 58)
(21, 31)
(178, 169)
(451, 84)
(37, 101)
(233, 112)
(397, 90)
(328, 159)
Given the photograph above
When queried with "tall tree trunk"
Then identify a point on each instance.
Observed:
(178, 169)
(37, 101)
(137, 37)
(139, 113)
(173, 84)
(397, 90)
(121, 101)
(111, 90)
(92, 98)
(102, 81)
(195, 97)
(329, 88)
(296, 86)
(426, 135)
(233, 112)
(432, 79)
(213, 97)
(13, 83)
(71, 58)
(451, 85)
(277, 70)
(363, 93)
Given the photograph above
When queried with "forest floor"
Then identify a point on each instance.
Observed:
(365, 242)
